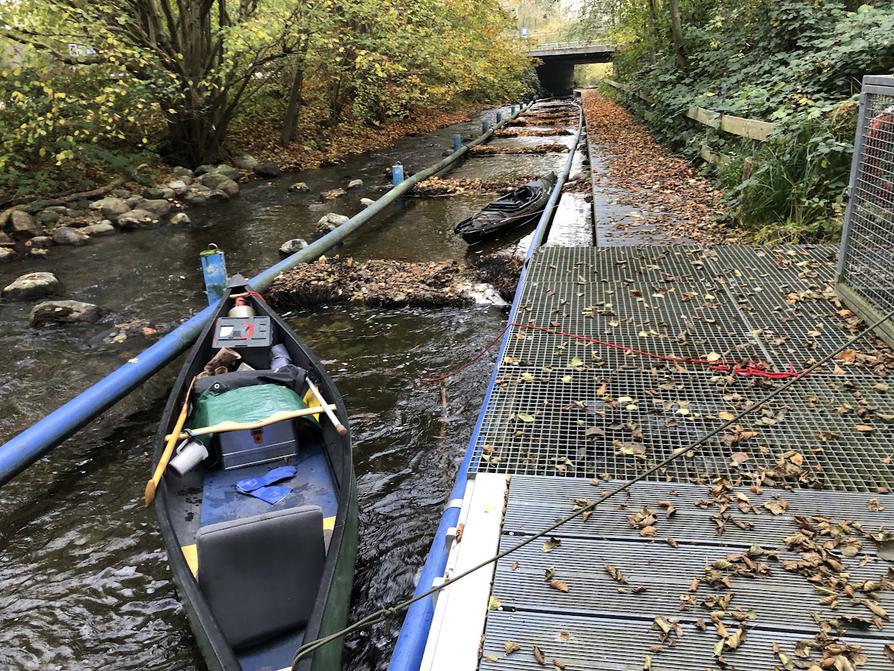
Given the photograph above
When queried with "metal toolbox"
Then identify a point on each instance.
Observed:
(244, 448)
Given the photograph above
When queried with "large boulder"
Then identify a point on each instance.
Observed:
(227, 171)
(219, 182)
(267, 170)
(289, 247)
(33, 285)
(23, 226)
(137, 219)
(245, 162)
(157, 206)
(102, 228)
(66, 235)
(64, 312)
(111, 208)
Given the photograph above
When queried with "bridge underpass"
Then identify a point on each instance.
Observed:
(556, 72)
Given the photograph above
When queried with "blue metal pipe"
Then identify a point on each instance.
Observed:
(411, 641)
(31, 444)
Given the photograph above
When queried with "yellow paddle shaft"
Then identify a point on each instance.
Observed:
(171, 440)
(223, 427)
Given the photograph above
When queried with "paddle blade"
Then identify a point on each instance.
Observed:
(149, 494)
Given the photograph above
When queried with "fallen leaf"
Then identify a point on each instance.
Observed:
(712, 357)
(560, 664)
(559, 585)
(616, 574)
(525, 417)
(738, 458)
(510, 646)
(647, 663)
(539, 656)
(776, 506)
(494, 603)
(551, 544)
(648, 532)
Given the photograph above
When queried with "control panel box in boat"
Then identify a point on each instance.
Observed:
(236, 332)
(257, 446)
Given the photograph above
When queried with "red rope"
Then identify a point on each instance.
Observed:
(751, 369)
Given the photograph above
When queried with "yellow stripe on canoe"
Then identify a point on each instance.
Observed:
(192, 557)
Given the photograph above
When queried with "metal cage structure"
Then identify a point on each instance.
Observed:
(865, 274)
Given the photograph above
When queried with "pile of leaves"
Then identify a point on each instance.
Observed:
(531, 132)
(385, 283)
(440, 186)
(542, 148)
(652, 177)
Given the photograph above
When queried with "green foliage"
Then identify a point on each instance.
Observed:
(797, 63)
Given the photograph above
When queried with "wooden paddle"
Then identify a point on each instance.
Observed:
(339, 427)
(171, 439)
(223, 427)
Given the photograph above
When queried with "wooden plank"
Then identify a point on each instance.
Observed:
(704, 116)
(712, 157)
(750, 128)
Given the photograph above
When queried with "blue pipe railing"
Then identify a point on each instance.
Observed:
(31, 444)
(411, 641)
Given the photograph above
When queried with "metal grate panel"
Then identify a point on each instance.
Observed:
(616, 424)
(866, 266)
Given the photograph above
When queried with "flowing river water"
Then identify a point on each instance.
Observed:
(84, 582)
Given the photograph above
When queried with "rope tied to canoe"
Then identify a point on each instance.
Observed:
(378, 616)
(720, 365)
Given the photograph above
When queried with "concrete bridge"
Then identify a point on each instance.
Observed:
(556, 73)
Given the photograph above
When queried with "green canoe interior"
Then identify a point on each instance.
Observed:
(207, 495)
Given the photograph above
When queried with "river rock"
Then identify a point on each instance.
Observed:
(104, 227)
(197, 198)
(134, 202)
(181, 172)
(204, 168)
(5, 240)
(66, 235)
(218, 196)
(299, 187)
(41, 241)
(6, 254)
(64, 312)
(111, 207)
(157, 206)
(289, 247)
(219, 182)
(330, 222)
(154, 192)
(23, 226)
(355, 184)
(52, 214)
(33, 285)
(332, 194)
(245, 162)
(227, 171)
(180, 219)
(366, 202)
(36, 253)
(178, 186)
(137, 218)
(267, 170)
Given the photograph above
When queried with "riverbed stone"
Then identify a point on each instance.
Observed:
(64, 312)
(366, 202)
(267, 170)
(227, 171)
(137, 218)
(218, 196)
(204, 168)
(154, 192)
(120, 192)
(33, 285)
(178, 186)
(217, 181)
(181, 172)
(5, 240)
(6, 254)
(196, 198)
(180, 219)
(245, 162)
(299, 187)
(111, 207)
(289, 247)
(23, 226)
(332, 194)
(157, 206)
(51, 215)
(134, 201)
(41, 241)
(66, 235)
(355, 184)
(38, 253)
(104, 227)
(330, 222)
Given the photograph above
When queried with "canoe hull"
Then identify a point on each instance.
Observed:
(500, 216)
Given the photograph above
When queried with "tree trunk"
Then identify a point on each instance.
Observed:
(656, 33)
(677, 30)
(290, 121)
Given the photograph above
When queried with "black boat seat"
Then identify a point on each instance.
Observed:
(260, 574)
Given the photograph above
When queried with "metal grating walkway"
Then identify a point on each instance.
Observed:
(731, 558)
(568, 407)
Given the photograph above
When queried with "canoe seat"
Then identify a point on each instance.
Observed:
(260, 574)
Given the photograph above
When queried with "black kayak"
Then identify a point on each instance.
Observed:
(518, 208)
(261, 526)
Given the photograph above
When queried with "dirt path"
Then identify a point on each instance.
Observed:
(646, 194)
